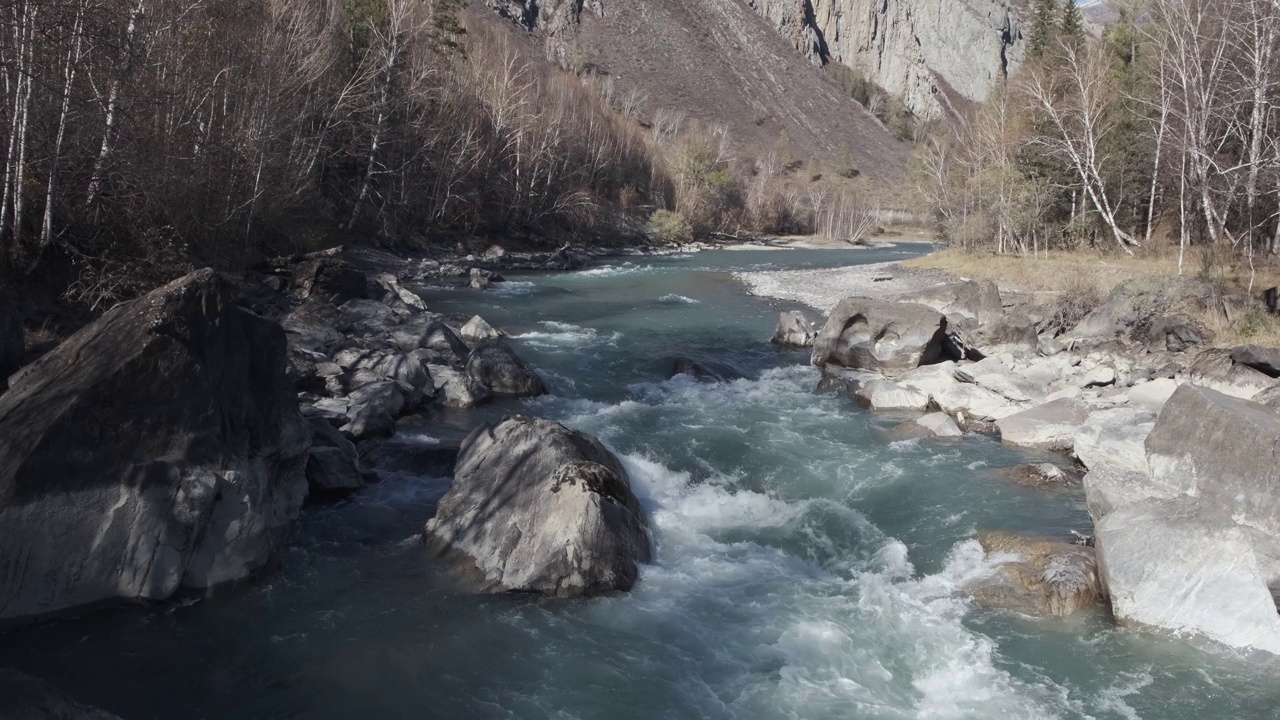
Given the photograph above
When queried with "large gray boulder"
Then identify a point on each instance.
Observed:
(1217, 370)
(888, 395)
(1180, 565)
(1263, 359)
(1051, 426)
(1223, 450)
(892, 338)
(333, 465)
(537, 507)
(794, 330)
(23, 697)
(478, 329)
(1114, 438)
(11, 341)
(975, 299)
(495, 366)
(1269, 397)
(158, 447)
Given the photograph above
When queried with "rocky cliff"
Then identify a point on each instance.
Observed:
(935, 54)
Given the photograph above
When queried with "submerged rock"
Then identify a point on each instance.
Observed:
(929, 427)
(1042, 577)
(1043, 476)
(695, 370)
(537, 507)
(794, 330)
(495, 366)
(23, 697)
(158, 447)
(892, 338)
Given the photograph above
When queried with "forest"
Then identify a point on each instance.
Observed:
(1162, 131)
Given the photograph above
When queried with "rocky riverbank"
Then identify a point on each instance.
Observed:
(1177, 441)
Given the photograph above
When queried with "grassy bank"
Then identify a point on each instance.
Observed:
(1084, 279)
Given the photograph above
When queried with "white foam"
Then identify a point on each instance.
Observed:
(674, 299)
(559, 335)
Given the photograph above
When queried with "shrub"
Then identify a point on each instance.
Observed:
(670, 227)
(1078, 300)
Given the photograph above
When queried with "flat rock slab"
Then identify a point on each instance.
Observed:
(1051, 426)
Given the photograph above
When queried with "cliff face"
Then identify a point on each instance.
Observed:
(935, 54)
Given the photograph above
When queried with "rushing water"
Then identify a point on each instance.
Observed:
(807, 567)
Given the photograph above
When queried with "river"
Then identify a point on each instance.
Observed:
(806, 565)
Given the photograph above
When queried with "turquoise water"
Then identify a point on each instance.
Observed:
(807, 567)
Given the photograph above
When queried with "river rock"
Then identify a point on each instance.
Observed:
(1269, 397)
(978, 300)
(158, 447)
(455, 389)
(430, 333)
(1179, 565)
(892, 338)
(933, 378)
(993, 374)
(537, 507)
(1042, 476)
(971, 402)
(333, 465)
(23, 697)
(1152, 396)
(1041, 577)
(495, 366)
(372, 409)
(695, 370)
(1263, 359)
(794, 330)
(1216, 370)
(393, 287)
(1014, 332)
(1100, 376)
(934, 426)
(887, 395)
(11, 340)
(329, 279)
(1114, 438)
(313, 326)
(367, 318)
(1108, 489)
(477, 329)
(1051, 426)
(1224, 451)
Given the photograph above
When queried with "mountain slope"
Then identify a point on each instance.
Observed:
(723, 64)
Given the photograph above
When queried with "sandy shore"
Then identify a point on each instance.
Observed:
(823, 288)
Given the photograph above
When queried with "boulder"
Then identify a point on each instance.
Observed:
(1114, 438)
(1134, 304)
(978, 300)
(455, 389)
(1039, 577)
(1152, 396)
(477, 329)
(891, 338)
(158, 447)
(479, 280)
(329, 279)
(994, 375)
(11, 341)
(313, 326)
(1223, 450)
(794, 330)
(495, 366)
(537, 507)
(23, 697)
(1176, 333)
(407, 371)
(888, 395)
(1042, 476)
(1100, 376)
(400, 292)
(333, 465)
(1051, 426)
(695, 370)
(372, 409)
(1014, 332)
(1107, 489)
(1263, 359)
(1269, 397)
(367, 318)
(934, 426)
(932, 378)
(1216, 370)
(1179, 565)
(842, 381)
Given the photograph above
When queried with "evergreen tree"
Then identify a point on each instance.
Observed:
(1044, 29)
(1072, 26)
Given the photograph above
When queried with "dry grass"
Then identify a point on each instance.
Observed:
(1073, 274)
